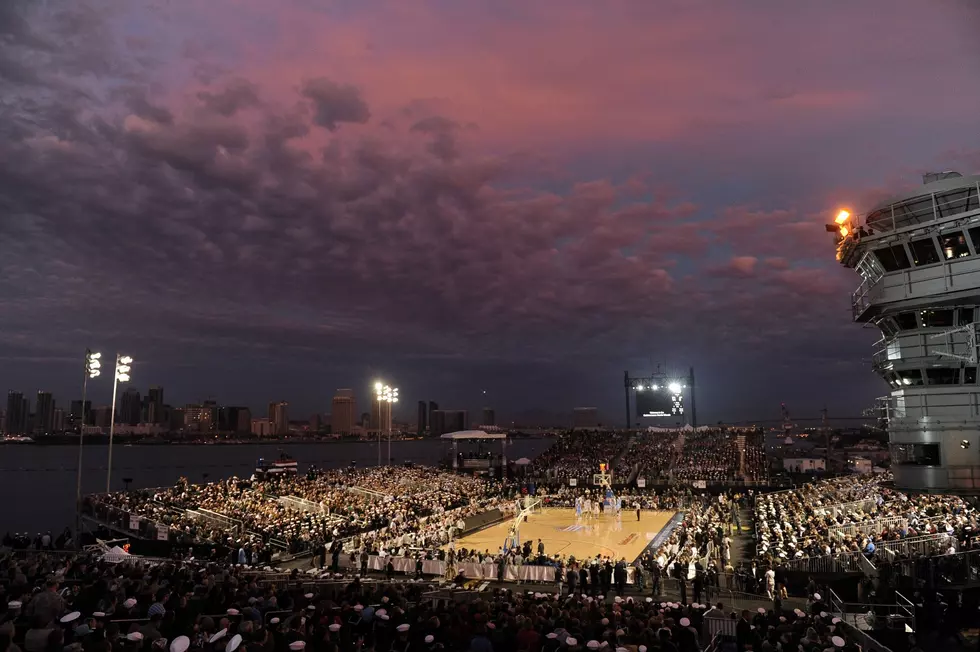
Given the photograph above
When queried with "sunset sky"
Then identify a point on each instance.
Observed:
(268, 200)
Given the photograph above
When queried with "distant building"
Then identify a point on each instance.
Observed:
(279, 417)
(131, 409)
(433, 406)
(15, 416)
(860, 465)
(444, 421)
(316, 422)
(154, 406)
(43, 412)
(423, 418)
(193, 415)
(585, 418)
(75, 413)
(177, 418)
(489, 417)
(102, 416)
(804, 464)
(58, 420)
(263, 428)
(230, 419)
(365, 420)
(343, 409)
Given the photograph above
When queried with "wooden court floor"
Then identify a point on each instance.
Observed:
(563, 533)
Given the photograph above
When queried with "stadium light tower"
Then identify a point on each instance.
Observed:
(93, 366)
(385, 394)
(123, 366)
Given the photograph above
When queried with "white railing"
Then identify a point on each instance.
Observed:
(876, 526)
(303, 505)
(841, 563)
(864, 505)
(929, 544)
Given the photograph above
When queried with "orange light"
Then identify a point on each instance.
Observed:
(842, 217)
(844, 231)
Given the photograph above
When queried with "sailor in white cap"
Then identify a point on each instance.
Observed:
(592, 645)
(180, 644)
(129, 603)
(296, 646)
(135, 637)
(403, 628)
(233, 644)
(67, 619)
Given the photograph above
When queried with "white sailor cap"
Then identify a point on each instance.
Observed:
(220, 634)
(233, 644)
(70, 618)
(180, 644)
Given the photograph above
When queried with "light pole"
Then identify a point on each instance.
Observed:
(123, 365)
(92, 366)
(385, 394)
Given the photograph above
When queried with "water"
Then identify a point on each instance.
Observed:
(37, 483)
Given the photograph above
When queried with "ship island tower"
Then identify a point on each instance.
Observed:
(918, 258)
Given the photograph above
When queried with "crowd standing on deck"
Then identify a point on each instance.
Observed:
(86, 605)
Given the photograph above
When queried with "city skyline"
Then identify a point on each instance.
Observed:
(261, 200)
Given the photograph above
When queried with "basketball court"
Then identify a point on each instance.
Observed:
(562, 532)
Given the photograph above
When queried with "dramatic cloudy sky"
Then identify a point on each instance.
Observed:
(267, 199)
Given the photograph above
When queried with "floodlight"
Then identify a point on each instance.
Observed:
(125, 360)
(639, 388)
(378, 387)
(123, 378)
(674, 387)
(842, 217)
(94, 356)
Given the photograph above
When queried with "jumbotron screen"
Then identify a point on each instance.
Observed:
(655, 403)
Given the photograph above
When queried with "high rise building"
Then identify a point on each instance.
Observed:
(343, 409)
(316, 422)
(75, 413)
(43, 412)
(244, 420)
(279, 417)
(15, 417)
(177, 418)
(102, 416)
(131, 409)
(154, 405)
(433, 406)
(489, 417)
(445, 421)
(229, 419)
(58, 420)
(365, 420)
(423, 417)
(209, 416)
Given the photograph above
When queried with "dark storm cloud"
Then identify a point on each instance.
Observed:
(335, 103)
(238, 94)
(211, 224)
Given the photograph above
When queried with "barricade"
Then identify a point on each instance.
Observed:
(714, 626)
(874, 527)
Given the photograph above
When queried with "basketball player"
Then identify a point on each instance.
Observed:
(587, 507)
(578, 507)
(595, 510)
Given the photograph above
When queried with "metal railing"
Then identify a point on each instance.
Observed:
(937, 571)
(877, 526)
(847, 562)
(863, 505)
(925, 545)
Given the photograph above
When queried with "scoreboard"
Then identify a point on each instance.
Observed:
(657, 403)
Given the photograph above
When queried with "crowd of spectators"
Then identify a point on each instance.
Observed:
(578, 455)
(710, 456)
(653, 454)
(84, 604)
(389, 506)
(813, 520)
